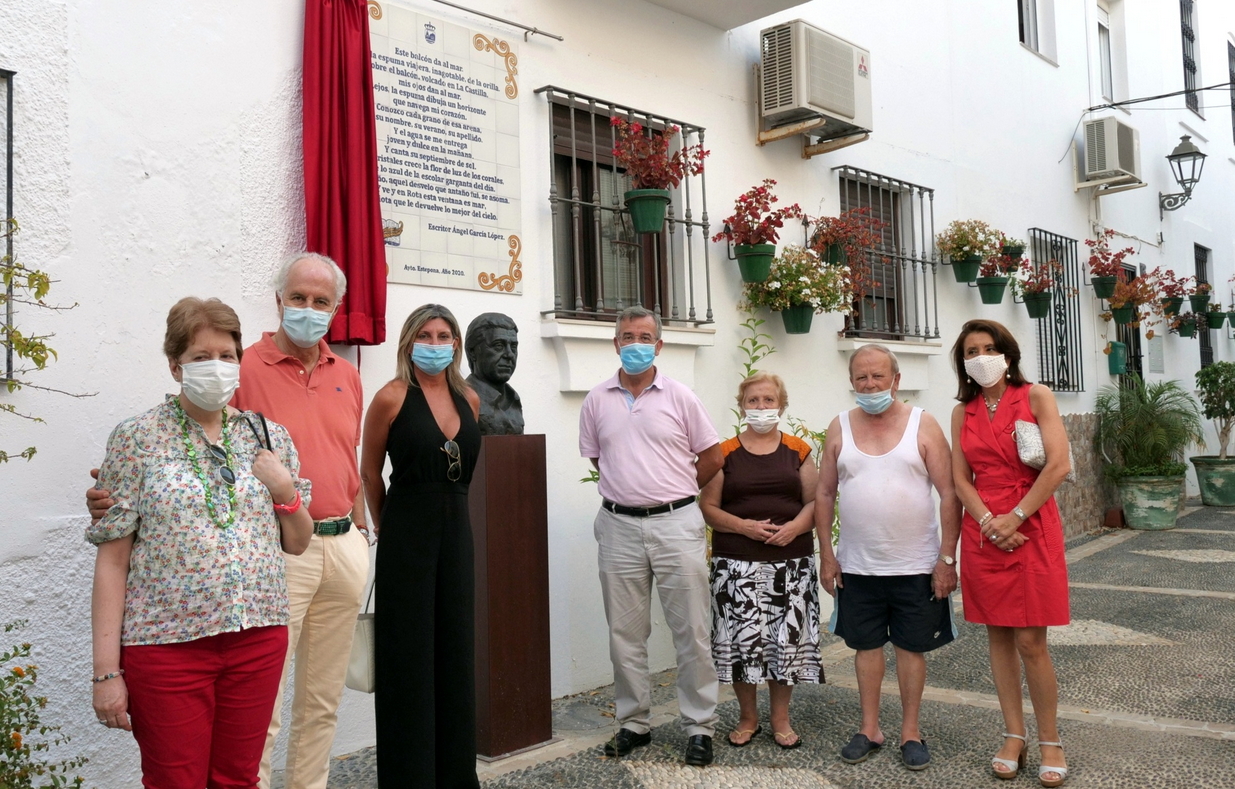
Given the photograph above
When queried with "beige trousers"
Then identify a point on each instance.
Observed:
(670, 548)
(324, 589)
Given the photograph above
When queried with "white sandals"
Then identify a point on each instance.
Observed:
(1013, 767)
(1044, 769)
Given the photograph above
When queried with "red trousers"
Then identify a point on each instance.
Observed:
(200, 709)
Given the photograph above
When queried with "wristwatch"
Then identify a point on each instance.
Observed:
(1020, 513)
(948, 560)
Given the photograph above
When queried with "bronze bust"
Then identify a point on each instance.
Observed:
(492, 349)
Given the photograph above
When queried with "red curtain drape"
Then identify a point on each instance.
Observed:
(342, 210)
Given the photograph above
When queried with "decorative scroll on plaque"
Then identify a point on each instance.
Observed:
(447, 150)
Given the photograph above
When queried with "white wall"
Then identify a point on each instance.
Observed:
(158, 156)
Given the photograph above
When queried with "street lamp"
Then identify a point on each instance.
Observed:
(1186, 164)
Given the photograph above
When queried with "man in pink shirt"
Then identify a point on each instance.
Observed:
(655, 447)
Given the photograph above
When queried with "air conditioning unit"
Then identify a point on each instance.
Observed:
(808, 73)
(1112, 152)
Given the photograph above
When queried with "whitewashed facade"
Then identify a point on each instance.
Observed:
(157, 155)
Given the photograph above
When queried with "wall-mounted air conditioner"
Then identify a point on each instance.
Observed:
(1112, 153)
(808, 73)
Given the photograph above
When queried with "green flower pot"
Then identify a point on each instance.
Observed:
(797, 318)
(1151, 502)
(991, 289)
(1214, 320)
(1216, 479)
(966, 269)
(647, 209)
(1123, 315)
(1038, 304)
(834, 255)
(1187, 330)
(1199, 303)
(1171, 307)
(1013, 251)
(1103, 287)
(754, 261)
(1230, 316)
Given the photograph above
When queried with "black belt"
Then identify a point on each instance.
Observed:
(647, 512)
(332, 527)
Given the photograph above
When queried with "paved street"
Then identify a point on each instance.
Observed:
(1147, 694)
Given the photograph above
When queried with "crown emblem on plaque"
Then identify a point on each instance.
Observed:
(430, 33)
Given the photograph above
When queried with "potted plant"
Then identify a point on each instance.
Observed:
(1128, 298)
(1143, 430)
(752, 229)
(644, 154)
(1012, 247)
(1186, 324)
(1036, 285)
(1199, 296)
(799, 286)
(1216, 475)
(1215, 316)
(1173, 290)
(993, 276)
(1105, 265)
(967, 242)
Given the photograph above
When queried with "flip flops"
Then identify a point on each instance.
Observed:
(755, 732)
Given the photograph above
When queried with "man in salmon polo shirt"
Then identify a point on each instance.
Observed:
(892, 573)
(655, 447)
(292, 378)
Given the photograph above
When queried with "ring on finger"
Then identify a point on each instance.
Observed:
(994, 537)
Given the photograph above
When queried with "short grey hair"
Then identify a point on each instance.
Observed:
(885, 350)
(285, 270)
(634, 313)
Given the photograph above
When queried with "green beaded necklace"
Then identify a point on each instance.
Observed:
(201, 475)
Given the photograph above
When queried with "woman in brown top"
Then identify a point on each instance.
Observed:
(765, 589)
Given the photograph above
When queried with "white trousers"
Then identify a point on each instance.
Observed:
(324, 589)
(672, 549)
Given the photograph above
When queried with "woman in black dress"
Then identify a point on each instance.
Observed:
(425, 419)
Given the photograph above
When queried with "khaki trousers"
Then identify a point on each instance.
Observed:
(324, 589)
(671, 548)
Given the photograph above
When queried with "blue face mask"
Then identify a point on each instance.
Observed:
(875, 402)
(432, 359)
(637, 357)
(305, 326)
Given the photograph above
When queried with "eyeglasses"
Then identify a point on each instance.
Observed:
(455, 470)
(220, 454)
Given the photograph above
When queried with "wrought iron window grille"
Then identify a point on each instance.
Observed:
(1187, 25)
(600, 264)
(1060, 361)
(1201, 255)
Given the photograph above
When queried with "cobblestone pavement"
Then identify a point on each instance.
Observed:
(1147, 694)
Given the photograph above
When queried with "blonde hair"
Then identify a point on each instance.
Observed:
(782, 394)
(189, 316)
(407, 338)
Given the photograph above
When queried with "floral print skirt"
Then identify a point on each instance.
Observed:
(765, 621)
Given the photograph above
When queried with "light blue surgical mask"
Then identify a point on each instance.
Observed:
(305, 326)
(875, 402)
(432, 359)
(637, 357)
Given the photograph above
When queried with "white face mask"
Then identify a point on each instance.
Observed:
(762, 420)
(986, 370)
(210, 385)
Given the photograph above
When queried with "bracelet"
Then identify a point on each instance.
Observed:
(288, 509)
(106, 677)
(986, 518)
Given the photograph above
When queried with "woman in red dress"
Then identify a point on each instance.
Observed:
(1013, 573)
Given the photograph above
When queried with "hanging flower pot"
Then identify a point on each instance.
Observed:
(754, 260)
(1170, 307)
(797, 318)
(1038, 304)
(1124, 315)
(1231, 317)
(1103, 287)
(1214, 320)
(1200, 302)
(1187, 329)
(992, 289)
(647, 209)
(1013, 251)
(966, 269)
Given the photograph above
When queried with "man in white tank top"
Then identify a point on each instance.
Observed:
(891, 574)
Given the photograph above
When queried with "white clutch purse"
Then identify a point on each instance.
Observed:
(360, 671)
(1032, 451)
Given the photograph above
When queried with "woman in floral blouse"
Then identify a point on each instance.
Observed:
(190, 607)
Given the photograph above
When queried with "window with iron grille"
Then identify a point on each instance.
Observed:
(1060, 362)
(1230, 66)
(1201, 255)
(1130, 336)
(600, 264)
(6, 188)
(902, 299)
(1187, 24)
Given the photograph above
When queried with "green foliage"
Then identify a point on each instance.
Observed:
(1216, 384)
(22, 285)
(816, 439)
(755, 347)
(1143, 429)
(592, 476)
(25, 741)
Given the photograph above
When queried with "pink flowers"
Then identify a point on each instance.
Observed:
(645, 156)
